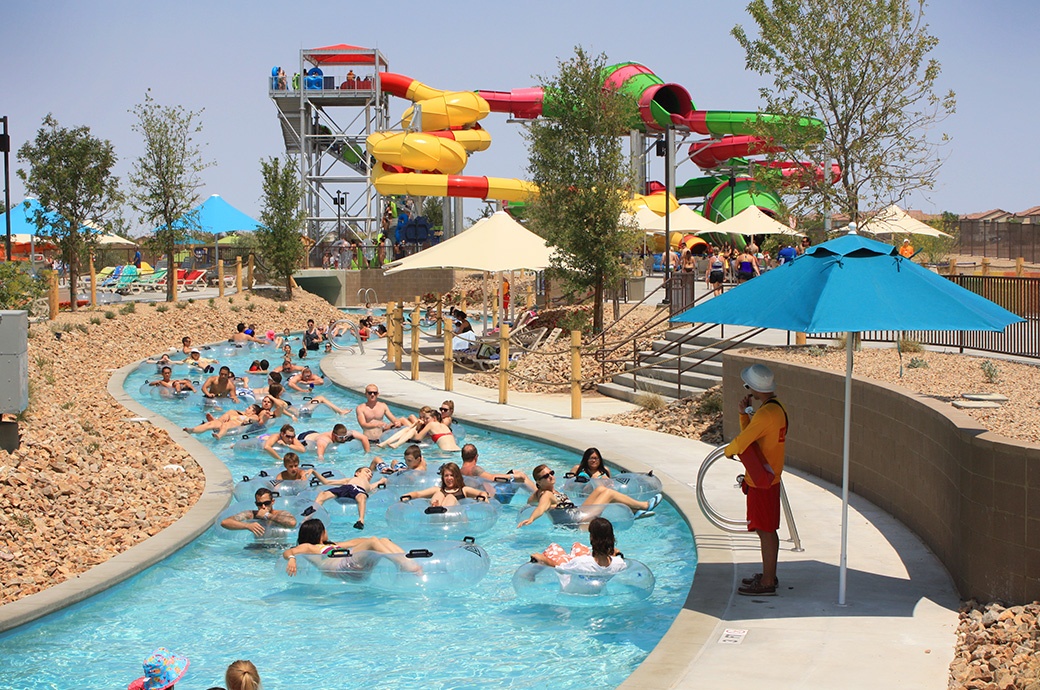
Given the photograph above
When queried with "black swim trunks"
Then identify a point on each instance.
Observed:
(347, 491)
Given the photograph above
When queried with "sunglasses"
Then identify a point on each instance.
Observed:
(264, 504)
(371, 392)
(747, 387)
(550, 473)
(289, 435)
(339, 439)
(444, 409)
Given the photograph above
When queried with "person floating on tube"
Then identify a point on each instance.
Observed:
(760, 447)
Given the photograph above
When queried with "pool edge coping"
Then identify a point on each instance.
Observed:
(215, 497)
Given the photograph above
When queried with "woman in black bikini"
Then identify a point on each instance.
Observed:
(313, 540)
(451, 490)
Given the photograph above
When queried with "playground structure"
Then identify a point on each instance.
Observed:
(427, 154)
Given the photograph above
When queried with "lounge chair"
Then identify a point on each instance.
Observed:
(152, 281)
(194, 280)
(111, 279)
(551, 338)
(121, 284)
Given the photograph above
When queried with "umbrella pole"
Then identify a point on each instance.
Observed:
(843, 563)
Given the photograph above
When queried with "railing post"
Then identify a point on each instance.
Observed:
(985, 265)
(93, 282)
(238, 274)
(415, 342)
(953, 267)
(449, 358)
(52, 295)
(575, 374)
(1019, 266)
(399, 337)
(440, 315)
(220, 277)
(249, 272)
(503, 365)
(390, 306)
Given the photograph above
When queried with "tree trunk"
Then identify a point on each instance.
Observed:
(288, 284)
(73, 279)
(597, 311)
(171, 271)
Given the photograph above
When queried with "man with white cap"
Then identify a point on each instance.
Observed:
(760, 446)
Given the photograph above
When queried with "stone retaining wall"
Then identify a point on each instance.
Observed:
(973, 496)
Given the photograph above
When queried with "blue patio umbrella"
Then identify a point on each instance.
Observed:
(851, 284)
(215, 215)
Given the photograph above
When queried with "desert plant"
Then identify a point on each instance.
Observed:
(990, 371)
(250, 307)
(82, 328)
(95, 320)
(710, 402)
(235, 308)
(128, 309)
(162, 308)
(110, 315)
(650, 402)
(281, 309)
(816, 351)
(908, 345)
(182, 305)
(917, 363)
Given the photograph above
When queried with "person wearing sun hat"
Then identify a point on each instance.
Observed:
(162, 669)
(760, 446)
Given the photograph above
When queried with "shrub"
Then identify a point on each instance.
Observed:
(250, 307)
(236, 308)
(816, 351)
(128, 308)
(18, 288)
(710, 402)
(82, 328)
(281, 309)
(917, 363)
(110, 315)
(182, 305)
(651, 402)
(990, 371)
(95, 320)
(162, 308)
(908, 345)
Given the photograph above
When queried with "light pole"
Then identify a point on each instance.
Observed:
(340, 200)
(5, 146)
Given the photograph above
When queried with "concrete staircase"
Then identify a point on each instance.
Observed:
(664, 378)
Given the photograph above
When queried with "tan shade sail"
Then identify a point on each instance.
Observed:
(683, 219)
(496, 243)
(895, 221)
(752, 221)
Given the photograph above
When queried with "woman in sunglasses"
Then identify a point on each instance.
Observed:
(547, 498)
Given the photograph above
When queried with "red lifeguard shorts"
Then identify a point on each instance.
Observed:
(763, 508)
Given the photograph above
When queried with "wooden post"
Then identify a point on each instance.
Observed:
(953, 267)
(494, 312)
(52, 295)
(799, 338)
(449, 358)
(249, 272)
(93, 283)
(399, 337)
(503, 365)
(1020, 266)
(415, 342)
(220, 277)
(575, 374)
(238, 274)
(440, 316)
(390, 306)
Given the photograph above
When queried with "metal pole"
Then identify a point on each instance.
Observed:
(845, 447)
(5, 145)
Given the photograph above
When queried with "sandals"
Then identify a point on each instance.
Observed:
(654, 501)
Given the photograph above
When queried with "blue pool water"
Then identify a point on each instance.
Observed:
(215, 601)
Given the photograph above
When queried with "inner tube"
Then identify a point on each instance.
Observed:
(418, 518)
(544, 585)
(501, 491)
(166, 393)
(412, 480)
(274, 535)
(575, 516)
(638, 485)
(430, 566)
(246, 489)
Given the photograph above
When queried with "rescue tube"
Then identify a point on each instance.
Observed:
(544, 585)
(435, 566)
(501, 491)
(574, 517)
(275, 535)
(635, 484)
(418, 518)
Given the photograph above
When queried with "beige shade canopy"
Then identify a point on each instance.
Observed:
(895, 221)
(110, 241)
(683, 219)
(494, 244)
(752, 221)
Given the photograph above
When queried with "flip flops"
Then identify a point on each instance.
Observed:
(654, 501)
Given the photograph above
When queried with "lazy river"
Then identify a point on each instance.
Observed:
(215, 600)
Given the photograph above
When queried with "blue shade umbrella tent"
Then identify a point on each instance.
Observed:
(215, 215)
(851, 284)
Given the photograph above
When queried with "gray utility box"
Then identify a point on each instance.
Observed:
(14, 361)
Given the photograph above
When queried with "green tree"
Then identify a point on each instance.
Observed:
(19, 289)
(166, 178)
(938, 249)
(863, 67)
(583, 177)
(282, 220)
(70, 174)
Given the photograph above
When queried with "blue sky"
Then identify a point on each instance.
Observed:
(89, 63)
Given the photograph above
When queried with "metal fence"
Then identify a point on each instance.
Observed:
(1018, 295)
(1000, 239)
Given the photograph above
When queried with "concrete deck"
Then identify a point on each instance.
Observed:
(898, 629)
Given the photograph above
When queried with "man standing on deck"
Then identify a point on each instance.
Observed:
(760, 446)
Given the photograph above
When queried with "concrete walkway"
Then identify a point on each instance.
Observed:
(896, 631)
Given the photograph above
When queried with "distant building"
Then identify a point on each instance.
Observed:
(992, 215)
(1030, 215)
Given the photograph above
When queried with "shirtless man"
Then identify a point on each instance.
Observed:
(176, 385)
(220, 386)
(242, 337)
(195, 359)
(305, 381)
(470, 468)
(370, 415)
(339, 434)
(186, 345)
(357, 487)
(413, 460)
(264, 513)
(286, 368)
(284, 439)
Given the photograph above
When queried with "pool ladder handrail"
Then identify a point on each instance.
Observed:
(352, 328)
(363, 296)
(739, 526)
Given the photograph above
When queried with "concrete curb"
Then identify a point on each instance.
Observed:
(215, 497)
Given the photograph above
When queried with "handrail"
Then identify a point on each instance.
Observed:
(363, 296)
(739, 526)
(352, 327)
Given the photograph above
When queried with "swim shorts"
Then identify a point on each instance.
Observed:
(763, 508)
(347, 491)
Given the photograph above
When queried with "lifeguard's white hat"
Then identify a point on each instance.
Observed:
(758, 377)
